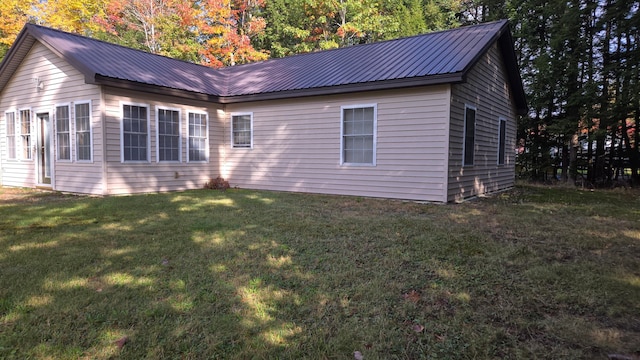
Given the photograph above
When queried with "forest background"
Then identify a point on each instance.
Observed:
(579, 59)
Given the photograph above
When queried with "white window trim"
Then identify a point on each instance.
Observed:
(233, 145)
(15, 133)
(122, 160)
(158, 108)
(19, 154)
(75, 150)
(464, 133)
(55, 132)
(375, 134)
(206, 138)
(500, 144)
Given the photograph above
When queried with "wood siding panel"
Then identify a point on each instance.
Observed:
(296, 146)
(486, 89)
(154, 176)
(62, 85)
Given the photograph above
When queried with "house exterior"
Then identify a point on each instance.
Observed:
(428, 118)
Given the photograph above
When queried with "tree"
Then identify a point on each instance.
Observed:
(14, 14)
(226, 29)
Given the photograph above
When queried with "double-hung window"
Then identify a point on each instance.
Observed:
(63, 137)
(168, 134)
(10, 122)
(358, 145)
(242, 130)
(469, 135)
(197, 146)
(502, 135)
(135, 133)
(25, 133)
(83, 131)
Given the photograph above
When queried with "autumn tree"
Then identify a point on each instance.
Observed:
(14, 14)
(162, 27)
(225, 31)
(70, 15)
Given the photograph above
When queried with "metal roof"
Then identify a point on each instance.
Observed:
(433, 58)
(445, 53)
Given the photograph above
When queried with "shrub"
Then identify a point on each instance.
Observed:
(218, 183)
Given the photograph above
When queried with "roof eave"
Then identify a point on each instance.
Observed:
(153, 89)
(513, 72)
(347, 88)
(13, 58)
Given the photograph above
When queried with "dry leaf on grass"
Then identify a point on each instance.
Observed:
(412, 296)
(120, 342)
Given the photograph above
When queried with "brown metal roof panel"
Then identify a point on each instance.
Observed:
(110, 60)
(470, 43)
(422, 58)
(433, 55)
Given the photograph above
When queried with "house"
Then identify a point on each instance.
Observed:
(429, 117)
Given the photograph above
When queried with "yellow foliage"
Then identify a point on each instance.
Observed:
(14, 14)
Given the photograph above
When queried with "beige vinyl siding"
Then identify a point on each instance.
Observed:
(296, 146)
(62, 84)
(152, 176)
(487, 90)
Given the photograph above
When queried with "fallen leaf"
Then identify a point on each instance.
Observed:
(412, 296)
(165, 262)
(120, 342)
(417, 328)
(357, 355)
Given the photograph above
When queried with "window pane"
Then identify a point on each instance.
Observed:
(358, 129)
(501, 141)
(25, 133)
(10, 119)
(135, 135)
(168, 135)
(62, 133)
(197, 137)
(241, 125)
(469, 135)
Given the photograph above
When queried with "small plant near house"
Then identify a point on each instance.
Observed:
(218, 183)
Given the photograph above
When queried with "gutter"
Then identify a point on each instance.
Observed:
(286, 94)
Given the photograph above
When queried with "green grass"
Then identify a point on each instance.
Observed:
(532, 273)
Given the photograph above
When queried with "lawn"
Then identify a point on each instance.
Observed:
(536, 272)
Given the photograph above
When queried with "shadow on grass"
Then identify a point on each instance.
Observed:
(244, 274)
(185, 275)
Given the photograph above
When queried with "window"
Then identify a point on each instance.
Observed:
(10, 118)
(25, 133)
(135, 133)
(359, 135)
(197, 137)
(168, 135)
(469, 134)
(502, 132)
(63, 140)
(242, 130)
(83, 131)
